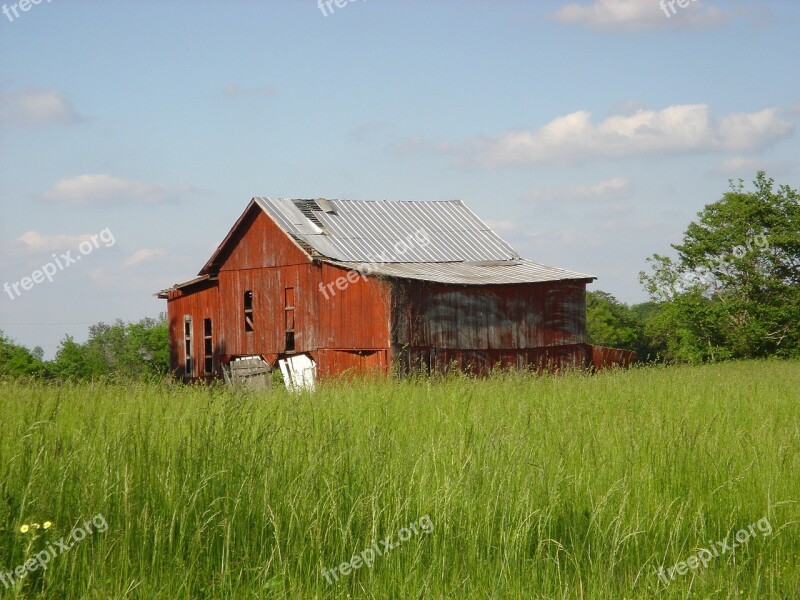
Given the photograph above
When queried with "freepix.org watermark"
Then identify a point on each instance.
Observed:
(419, 239)
(40, 560)
(59, 263)
(367, 556)
(704, 556)
(326, 6)
(671, 3)
(704, 275)
(23, 5)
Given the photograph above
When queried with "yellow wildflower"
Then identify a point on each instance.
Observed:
(24, 529)
(47, 524)
(35, 525)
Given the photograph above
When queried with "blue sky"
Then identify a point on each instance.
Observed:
(588, 133)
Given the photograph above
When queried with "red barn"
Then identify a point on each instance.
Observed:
(360, 286)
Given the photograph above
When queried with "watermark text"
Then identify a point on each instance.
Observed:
(59, 263)
(367, 556)
(704, 555)
(41, 559)
(23, 5)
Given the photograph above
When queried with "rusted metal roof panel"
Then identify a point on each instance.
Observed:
(470, 273)
(389, 231)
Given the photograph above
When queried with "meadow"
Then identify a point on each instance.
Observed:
(567, 487)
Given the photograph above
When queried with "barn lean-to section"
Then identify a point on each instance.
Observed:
(361, 286)
(478, 328)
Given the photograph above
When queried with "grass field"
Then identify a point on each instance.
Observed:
(519, 487)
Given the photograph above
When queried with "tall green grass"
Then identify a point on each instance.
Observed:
(537, 487)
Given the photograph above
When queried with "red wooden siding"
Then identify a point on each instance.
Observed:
(200, 302)
(334, 363)
(260, 243)
(356, 318)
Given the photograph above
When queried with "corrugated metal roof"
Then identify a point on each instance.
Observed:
(389, 231)
(517, 271)
(441, 241)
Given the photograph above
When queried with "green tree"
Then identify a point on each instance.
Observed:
(120, 350)
(609, 321)
(733, 291)
(71, 362)
(18, 361)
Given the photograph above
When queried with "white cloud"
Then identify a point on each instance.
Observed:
(686, 128)
(98, 190)
(37, 107)
(641, 14)
(234, 90)
(602, 190)
(144, 255)
(34, 243)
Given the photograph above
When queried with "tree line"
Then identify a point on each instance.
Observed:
(731, 291)
(117, 351)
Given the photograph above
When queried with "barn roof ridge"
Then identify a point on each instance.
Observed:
(452, 200)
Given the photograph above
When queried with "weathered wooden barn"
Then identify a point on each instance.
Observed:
(359, 286)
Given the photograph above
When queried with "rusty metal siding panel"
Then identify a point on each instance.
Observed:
(491, 317)
(503, 318)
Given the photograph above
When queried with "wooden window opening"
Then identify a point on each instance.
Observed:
(248, 311)
(208, 345)
(289, 321)
(187, 347)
